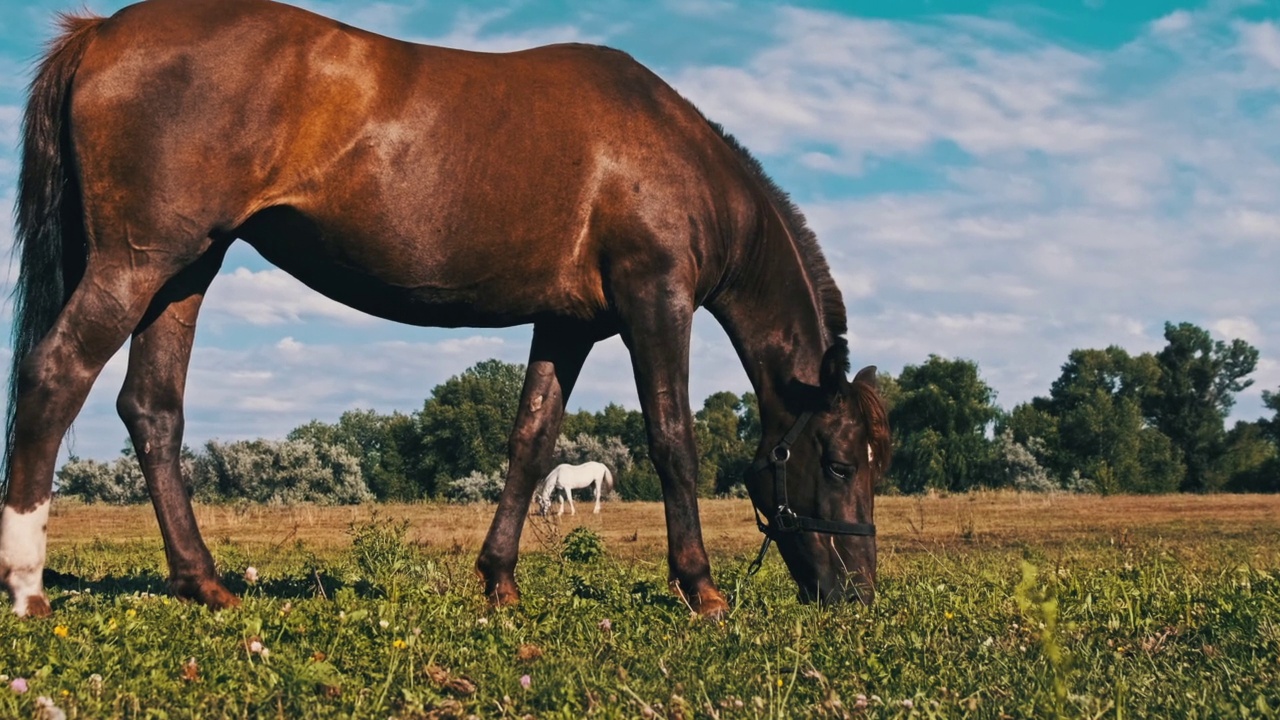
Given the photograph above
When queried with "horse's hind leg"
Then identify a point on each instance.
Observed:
(151, 405)
(52, 383)
(555, 358)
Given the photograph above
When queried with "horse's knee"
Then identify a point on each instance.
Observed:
(149, 418)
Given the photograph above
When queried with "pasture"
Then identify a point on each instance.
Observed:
(990, 606)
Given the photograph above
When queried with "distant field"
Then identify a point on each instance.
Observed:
(636, 530)
(990, 606)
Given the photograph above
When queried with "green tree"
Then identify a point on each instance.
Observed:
(1252, 459)
(1195, 393)
(1271, 428)
(465, 425)
(940, 418)
(1092, 424)
(1251, 462)
(379, 442)
(724, 427)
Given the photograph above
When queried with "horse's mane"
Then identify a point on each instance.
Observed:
(830, 302)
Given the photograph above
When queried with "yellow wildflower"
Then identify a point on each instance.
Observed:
(399, 644)
(61, 631)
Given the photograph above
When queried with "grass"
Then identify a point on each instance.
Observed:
(990, 605)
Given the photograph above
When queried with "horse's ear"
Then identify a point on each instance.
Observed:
(866, 375)
(835, 366)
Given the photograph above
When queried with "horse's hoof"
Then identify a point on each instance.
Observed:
(706, 602)
(503, 595)
(36, 606)
(711, 605)
(208, 592)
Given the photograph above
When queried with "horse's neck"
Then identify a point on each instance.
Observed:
(771, 311)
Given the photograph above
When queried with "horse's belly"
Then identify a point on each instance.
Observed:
(425, 281)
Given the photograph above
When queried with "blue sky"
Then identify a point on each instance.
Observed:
(1001, 181)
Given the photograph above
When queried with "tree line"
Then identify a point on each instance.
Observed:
(1111, 423)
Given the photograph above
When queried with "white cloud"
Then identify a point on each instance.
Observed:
(700, 8)
(872, 87)
(1175, 22)
(387, 18)
(470, 31)
(1261, 41)
(273, 297)
(1243, 328)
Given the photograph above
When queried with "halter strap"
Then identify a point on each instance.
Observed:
(785, 520)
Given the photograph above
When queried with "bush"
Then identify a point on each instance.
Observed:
(382, 551)
(474, 488)
(1019, 466)
(583, 545)
(279, 472)
(118, 482)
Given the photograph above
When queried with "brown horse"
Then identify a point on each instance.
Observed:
(564, 186)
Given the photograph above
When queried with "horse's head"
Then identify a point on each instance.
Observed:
(814, 483)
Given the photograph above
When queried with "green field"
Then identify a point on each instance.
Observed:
(1182, 620)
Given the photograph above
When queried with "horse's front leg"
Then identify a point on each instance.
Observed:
(555, 359)
(568, 495)
(657, 326)
(151, 405)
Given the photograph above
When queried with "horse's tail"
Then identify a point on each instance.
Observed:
(608, 481)
(50, 237)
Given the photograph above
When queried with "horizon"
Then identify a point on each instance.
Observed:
(997, 181)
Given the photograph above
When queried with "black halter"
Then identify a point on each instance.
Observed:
(785, 520)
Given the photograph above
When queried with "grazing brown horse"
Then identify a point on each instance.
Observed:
(564, 186)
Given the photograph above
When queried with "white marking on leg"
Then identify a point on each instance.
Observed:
(22, 552)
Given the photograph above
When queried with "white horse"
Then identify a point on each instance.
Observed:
(567, 478)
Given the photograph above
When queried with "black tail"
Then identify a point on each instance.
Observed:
(50, 239)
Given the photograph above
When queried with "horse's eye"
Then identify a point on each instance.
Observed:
(840, 470)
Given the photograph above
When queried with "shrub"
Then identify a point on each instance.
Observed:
(1018, 462)
(583, 545)
(279, 472)
(118, 482)
(474, 488)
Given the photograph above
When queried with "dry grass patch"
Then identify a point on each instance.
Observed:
(637, 531)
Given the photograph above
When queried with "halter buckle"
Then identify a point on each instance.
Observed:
(784, 519)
